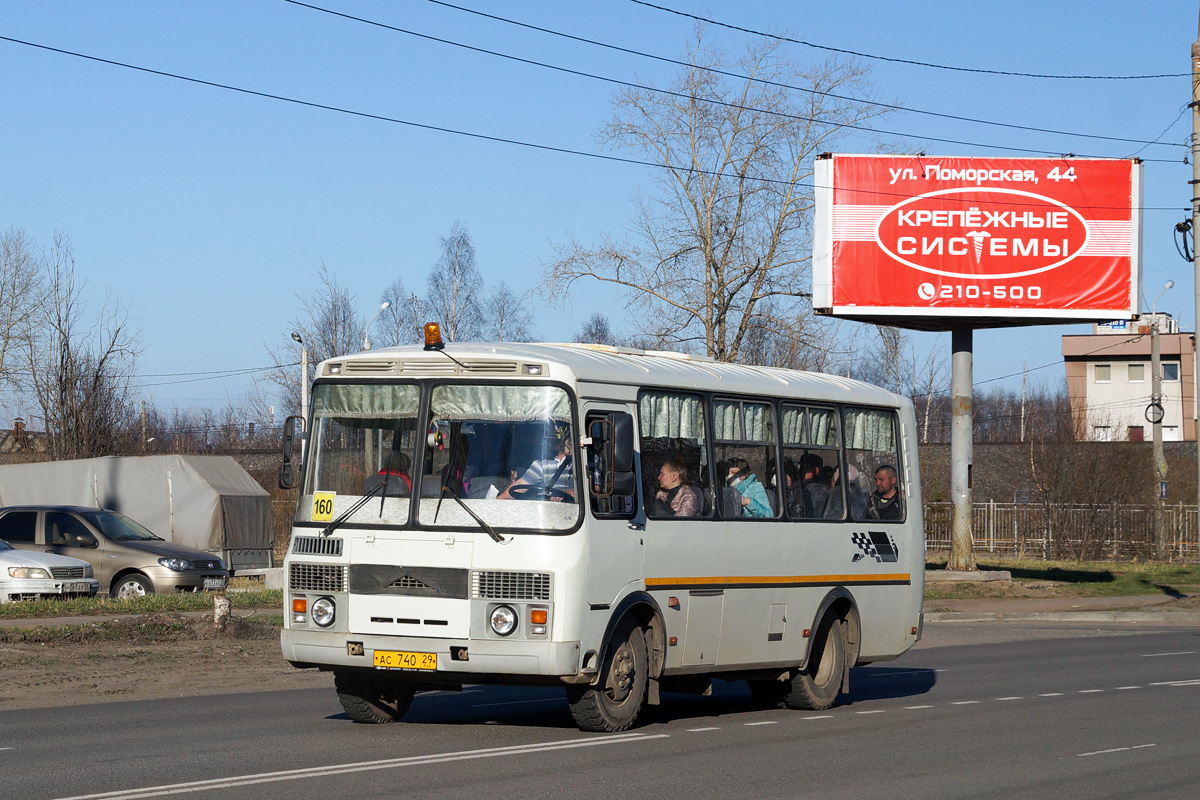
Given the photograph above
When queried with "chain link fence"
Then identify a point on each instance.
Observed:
(1040, 530)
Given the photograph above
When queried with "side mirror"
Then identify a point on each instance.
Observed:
(287, 477)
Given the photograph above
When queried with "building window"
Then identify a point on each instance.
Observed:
(1102, 433)
(1170, 372)
(1137, 373)
(1103, 373)
(1137, 433)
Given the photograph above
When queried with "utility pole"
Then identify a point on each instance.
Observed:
(1160, 463)
(1195, 153)
(1024, 379)
(962, 434)
(143, 425)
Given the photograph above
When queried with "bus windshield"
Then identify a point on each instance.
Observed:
(507, 452)
(363, 441)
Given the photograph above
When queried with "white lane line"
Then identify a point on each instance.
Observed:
(965, 703)
(914, 708)
(517, 702)
(768, 722)
(7, 748)
(1160, 655)
(1124, 688)
(1051, 694)
(701, 730)
(1113, 750)
(875, 711)
(1090, 691)
(1010, 698)
(362, 766)
(1192, 682)
(820, 716)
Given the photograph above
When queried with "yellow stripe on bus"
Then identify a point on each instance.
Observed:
(771, 579)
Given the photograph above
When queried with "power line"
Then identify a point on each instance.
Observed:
(893, 60)
(728, 74)
(500, 139)
(218, 376)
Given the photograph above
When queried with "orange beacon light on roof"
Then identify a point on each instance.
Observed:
(433, 336)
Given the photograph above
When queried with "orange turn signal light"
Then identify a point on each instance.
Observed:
(299, 605)
(433, 336)
(537, 616)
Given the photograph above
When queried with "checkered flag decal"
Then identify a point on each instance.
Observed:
(875, 544)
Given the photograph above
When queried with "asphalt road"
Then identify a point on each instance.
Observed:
(994, 710)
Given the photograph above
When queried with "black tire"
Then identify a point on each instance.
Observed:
(131, 585)
(372, 698)
(613, 703)
(816, 687)
(769, 694)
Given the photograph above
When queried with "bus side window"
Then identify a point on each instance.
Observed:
(873, 467)
(745, 451)
(675, 474)
(811, 457)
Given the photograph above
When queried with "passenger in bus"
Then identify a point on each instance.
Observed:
(885, 502)
(395, 474)
(753, 494)
(859, 503)
(550, 473)
(810, 498)
(676, 498)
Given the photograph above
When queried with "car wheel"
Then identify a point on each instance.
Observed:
(131, 586)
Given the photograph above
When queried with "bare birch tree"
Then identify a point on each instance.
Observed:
(400, 323)
(597, 330)
(455, 288)
(22, 289)
(507, 316)
(729, 225)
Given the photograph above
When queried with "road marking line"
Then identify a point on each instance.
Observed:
(7, 748)
(965, 702)
(914, 708)
(517, 702)
(1192, 682)
(1090, 691)
(1113, 750)
(1010, 698)
(768, 722)
(701, 730)
(1159, 655)
(363, 766)
(1051, 694)
(1123, 688)
(875, 711)
(820, 716)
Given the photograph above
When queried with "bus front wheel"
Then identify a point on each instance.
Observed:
(371, 698)
(816, 687)
(613, 702)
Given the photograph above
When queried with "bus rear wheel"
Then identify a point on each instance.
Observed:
(613, 702)
(816, 687)
(372, 698)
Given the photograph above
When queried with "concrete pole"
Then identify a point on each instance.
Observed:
(1160, 463)
(962, 546)
(303, 396)
(1195, 152)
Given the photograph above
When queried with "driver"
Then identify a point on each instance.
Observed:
(544, 470)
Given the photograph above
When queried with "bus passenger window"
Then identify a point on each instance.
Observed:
(811, 455)
(873, 466)
(746, 468)
(674, 459)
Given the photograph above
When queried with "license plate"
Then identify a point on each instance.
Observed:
(214, 583)
(391, 659)
(77, 587)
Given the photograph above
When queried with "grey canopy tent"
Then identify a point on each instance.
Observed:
(206, 502)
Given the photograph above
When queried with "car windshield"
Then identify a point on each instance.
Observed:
(506, 451)
(118, 527)
(363, 442)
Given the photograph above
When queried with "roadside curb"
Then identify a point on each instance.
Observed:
(1192, 617)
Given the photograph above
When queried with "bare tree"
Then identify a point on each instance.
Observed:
(81, 373)
(597, 330)
(730, 224)
(455, 287)
(400, 323)
(507, 316)
(22, 289)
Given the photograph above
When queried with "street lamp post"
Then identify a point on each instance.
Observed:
(367, 331)
(303, 387)
(1156, 409)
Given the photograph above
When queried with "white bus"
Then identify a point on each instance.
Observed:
(613, 521)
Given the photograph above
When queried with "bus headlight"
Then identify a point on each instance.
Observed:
(322, 612)
(504, 620)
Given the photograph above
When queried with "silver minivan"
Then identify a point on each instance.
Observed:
(128, 559)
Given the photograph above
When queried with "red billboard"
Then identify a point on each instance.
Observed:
(933, 240)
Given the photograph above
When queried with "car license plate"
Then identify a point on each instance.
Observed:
(214, 583)
(391, 659)
(78, 586)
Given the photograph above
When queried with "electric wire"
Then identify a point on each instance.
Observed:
(930, 65)
(499, 139)
(728, 74)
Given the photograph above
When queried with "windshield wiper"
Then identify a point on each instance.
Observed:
(486, 528)
(349, 512)
(447, 471)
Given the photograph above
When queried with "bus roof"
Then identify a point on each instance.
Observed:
(601, 364)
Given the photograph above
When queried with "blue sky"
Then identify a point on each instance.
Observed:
(206, 211)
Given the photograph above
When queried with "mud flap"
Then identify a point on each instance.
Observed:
(652, 698)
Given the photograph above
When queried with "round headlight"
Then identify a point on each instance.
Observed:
(504, 620)
(322, 612)
(176, 564)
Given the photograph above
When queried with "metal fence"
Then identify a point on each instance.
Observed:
(1067, 531)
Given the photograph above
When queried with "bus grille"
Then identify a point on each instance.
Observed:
(316, 546)
(67, 572)
(511, 585)
(317, 578)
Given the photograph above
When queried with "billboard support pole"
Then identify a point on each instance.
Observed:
(1195, 153)
(962, 433)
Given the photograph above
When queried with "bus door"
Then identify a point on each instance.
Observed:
(615, 526)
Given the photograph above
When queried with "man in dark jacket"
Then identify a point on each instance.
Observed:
(885, 502)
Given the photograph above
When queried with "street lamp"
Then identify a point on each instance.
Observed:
(367, 333)
(303, 385)
(1155, 414)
